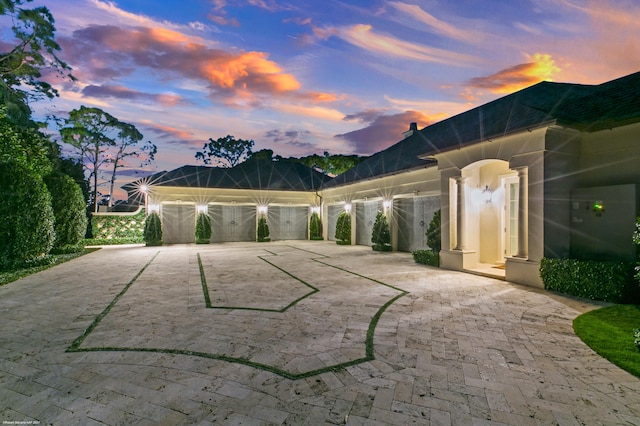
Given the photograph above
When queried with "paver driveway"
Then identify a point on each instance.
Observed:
(294, 333)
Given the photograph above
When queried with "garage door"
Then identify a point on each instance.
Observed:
(365, 218)
(334, 212)
(178, 223)
(288, 223)
(233, 223)
(414, 216)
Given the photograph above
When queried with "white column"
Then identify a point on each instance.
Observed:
(523, 212)
(461, 225)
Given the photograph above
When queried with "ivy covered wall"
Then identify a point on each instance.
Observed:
(118, 225)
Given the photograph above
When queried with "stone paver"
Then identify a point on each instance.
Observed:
(294, 333)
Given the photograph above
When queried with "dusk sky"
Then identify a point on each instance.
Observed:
(305, 76)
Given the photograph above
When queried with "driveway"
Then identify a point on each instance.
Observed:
(294, 333)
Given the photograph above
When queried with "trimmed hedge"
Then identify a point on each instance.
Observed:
(609, 281)
(69, 209)
(380, 234)
(26, 217)
(153, 230)
(343, 229)
(263, 230)
(315, 227)
(203, 228)
(426, 257)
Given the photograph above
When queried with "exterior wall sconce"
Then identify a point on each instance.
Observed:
(154, 208)
(262, 209)
(386, 204)
(144, 188)
(315, 209)
(598, 208)
(487, 194)
(202, 208)
(347, 207)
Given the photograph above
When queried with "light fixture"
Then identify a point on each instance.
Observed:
(598, 208)
(315, 209)
(347, 207)
(262, 209)
(201, 208)
(386, 204)
(154, 208)
(487, 194)
(144, 188)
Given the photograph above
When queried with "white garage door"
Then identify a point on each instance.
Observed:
(178, 223)
(288, 223)
(333, 212)
(232, 223)
(414, 216)
(365, 218)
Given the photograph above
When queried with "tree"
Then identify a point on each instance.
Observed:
(35, 50)
(203, 228)
(433, 232)
(153, 230)
(343, 229)
(227, 151)
(315, 227)
(381, 235)
(127, 146)
(263, 229)
(328, 164)
(69, 209)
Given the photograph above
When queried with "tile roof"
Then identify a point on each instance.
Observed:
(584, 107)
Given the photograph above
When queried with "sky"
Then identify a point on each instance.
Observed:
(307, 76)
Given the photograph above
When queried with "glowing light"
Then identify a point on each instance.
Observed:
(202, 208)
(154, 208)
(347, 207)
(262, 209)
(144, 188)
(386, 204)
(315, 209)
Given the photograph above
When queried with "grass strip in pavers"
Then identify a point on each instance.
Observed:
(369, 339)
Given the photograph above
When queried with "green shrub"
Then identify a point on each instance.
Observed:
(433, 232)
(26, 216)
(69, 210)
(263, 230)
(609, 281)
(343, 229)
(426, 257)
(203, 228)
(111, 241)
(636, 240)
(381, 235)
(153, 230)
(315, 227)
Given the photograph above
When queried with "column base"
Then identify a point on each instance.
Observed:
(523, 271)
(458, 260)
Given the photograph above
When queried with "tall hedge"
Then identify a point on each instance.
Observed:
(26, 217)
(381, 234)
(343, 229)
(69, 209)
(315, 227)
(434, 237)
(153, 230)
(203, 228)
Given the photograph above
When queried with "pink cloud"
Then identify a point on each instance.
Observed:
(121, 92)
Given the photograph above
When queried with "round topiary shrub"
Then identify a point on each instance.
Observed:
(343, 229)
(381, 235)
(153, 230)
(26, 217)
(263, 230)
(203, 228)
(69, 209)
(315, 227)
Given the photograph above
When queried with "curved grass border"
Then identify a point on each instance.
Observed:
(609, 332)
(369, 340)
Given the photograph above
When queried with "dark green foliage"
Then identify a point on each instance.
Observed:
(263, 230)
(343, 229)
(609, 281)
(330, 164)
(69, 210)
(226, 152)
(315, 227)
(112, 241)
(433, 232)
(636, 241)
(203, 228)
(26, 216)
(426, 257)
(153, 230)
(381, 235)
(120, 228)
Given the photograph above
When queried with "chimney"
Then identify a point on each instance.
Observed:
(413, 127)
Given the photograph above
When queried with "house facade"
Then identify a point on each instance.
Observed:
(550, 171)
